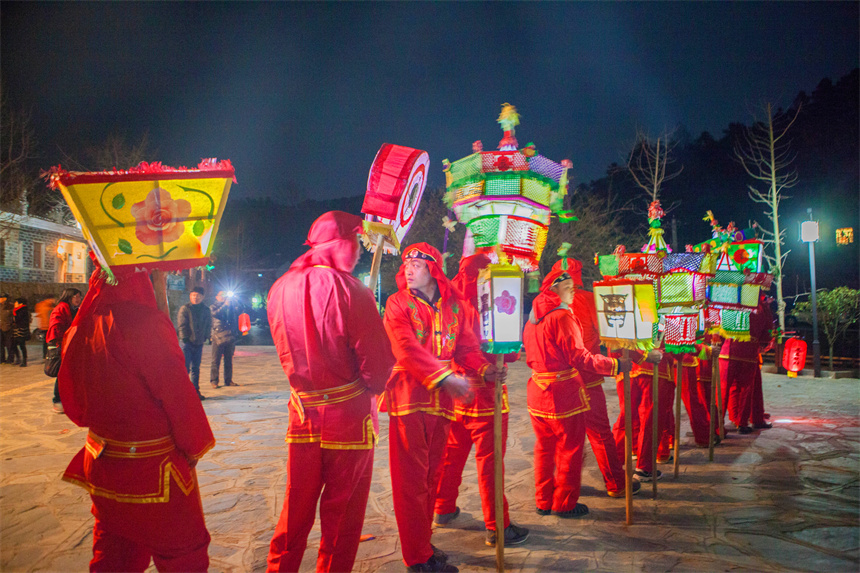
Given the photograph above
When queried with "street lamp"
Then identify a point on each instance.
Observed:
(809, 234)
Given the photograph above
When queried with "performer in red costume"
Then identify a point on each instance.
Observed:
(597, 426)
(667, 413)
(123, 376)
(334, 350)
(557, 399)
(642, 405)
(739, 361)
(428, 325)
(473, 424)
(696, 400)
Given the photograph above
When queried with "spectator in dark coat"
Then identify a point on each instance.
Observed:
(20, 330)
(225, 331)
(5, 329)
(195, 325)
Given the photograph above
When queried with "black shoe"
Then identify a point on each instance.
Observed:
(201, 396)
(644, 476)
(230, 384)
(763, 426)
(433, 564)
(540, 511)
(745, 430)
(438, 553)
(23, 364)
(443, 519)
(580, 510)
(514, 535)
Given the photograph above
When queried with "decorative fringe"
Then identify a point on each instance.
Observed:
(680, 348)
(739, 336)
(645, 344)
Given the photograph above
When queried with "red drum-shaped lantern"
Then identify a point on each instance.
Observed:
(244, 323)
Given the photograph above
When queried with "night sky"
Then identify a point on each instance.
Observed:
(300, 96)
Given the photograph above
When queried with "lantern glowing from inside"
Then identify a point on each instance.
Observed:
(150, 216)
(845, 236)
(500, 298)
(626, 313)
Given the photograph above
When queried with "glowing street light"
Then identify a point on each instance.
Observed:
(809, 234)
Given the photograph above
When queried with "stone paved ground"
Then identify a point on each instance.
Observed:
(784, 499)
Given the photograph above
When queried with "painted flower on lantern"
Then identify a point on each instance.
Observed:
(741, 256)
(160, 218)
(506, 303)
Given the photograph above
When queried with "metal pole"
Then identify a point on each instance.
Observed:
(816, 353)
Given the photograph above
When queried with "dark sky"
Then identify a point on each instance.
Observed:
(301, 96)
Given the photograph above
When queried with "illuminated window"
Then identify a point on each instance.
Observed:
(845, 236)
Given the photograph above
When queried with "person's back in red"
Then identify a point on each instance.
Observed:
(336, 355)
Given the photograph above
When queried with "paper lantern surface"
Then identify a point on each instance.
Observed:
(150, 216)
(500, 295)
(626, 313)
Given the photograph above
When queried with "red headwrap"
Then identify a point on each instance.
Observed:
(332, 241)
(547, 300)
(466, 280)
(433, 258)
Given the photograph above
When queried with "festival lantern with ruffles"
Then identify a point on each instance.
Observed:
(151, 216)
(505, 199)
(733, 292)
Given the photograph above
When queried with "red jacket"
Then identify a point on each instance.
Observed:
(330, 340)
(555, 353)
(60, 321)
(585, 312)
(133, 392)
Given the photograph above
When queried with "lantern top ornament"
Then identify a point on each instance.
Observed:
(506, 197)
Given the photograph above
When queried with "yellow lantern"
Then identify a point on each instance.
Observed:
(151, 215)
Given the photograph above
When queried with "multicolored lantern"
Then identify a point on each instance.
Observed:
(626, 313)
(500, 295)
(505, 197)
(150, 216)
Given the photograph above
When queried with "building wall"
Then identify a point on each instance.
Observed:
(20, 261)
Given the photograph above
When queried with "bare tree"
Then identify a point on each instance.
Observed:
(116, 152)
(764, 153)
(17, 147)
(651, 164)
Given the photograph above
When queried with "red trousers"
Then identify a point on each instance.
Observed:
(602, 441)
(465, 431)
(558, 461)
(340, 481)
(173, 534)
(737, 379)
(697, 401)
(757, 400)
(416, 445)
(642, 406)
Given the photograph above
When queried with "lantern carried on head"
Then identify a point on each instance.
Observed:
(150, 216)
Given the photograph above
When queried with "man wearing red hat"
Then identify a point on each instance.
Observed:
(335, 352)
(428, 327)
(474, 425)
(557, 399)
(597, 426)
(147, 428)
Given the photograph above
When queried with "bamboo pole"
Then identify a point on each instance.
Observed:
(377, 260)
(679, 378)
(498, 466)
(628, 444)
(655, 426)
(715, 380)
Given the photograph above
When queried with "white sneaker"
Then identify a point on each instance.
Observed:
(58, 408)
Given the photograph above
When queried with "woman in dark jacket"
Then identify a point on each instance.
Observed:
(61, 319)
(20, 330)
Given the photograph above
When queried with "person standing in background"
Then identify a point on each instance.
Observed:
(20, 330)
(43, 310)
(195, 325)
(5, 329)
(225, 331)
(58, 323)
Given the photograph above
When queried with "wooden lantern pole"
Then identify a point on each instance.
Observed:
(678, 382)
(720, 412)
(655, 426)
(498, 466)
(628, 443)
(377, 260)
(715, 380)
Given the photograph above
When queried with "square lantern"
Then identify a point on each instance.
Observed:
(150, 216)
(626, 313)
(500, 296)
